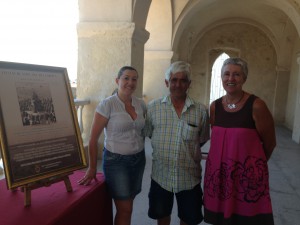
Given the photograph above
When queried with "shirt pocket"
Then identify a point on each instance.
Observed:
(190, 132)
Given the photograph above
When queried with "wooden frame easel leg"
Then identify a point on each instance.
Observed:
(27, 199)
(45, 183)
(68, 184)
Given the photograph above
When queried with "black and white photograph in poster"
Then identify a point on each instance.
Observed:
(36, 105)
(39, 133)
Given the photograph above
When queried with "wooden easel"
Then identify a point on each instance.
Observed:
(45, 183)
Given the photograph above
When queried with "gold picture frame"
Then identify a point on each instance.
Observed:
(39, 133)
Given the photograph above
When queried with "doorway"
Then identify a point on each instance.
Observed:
(216, 87)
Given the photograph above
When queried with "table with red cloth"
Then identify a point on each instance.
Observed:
(53, 205)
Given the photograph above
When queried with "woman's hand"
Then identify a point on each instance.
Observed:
(88, 177)
(98, 125)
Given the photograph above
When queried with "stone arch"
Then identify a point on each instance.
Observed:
(253, 23)
(256, 48)
(290, 8)
(282, 24)
(140, 12)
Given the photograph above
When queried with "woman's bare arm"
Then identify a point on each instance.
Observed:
(265, 126)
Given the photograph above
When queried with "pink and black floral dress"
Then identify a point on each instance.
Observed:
(236, 182)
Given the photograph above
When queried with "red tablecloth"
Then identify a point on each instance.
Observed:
(86, 205)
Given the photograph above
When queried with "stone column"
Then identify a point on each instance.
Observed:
(280, 96)
(103, 48)
(296, 128)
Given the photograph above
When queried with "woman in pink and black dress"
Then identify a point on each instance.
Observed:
(236, 183)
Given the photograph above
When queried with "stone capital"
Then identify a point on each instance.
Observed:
(141, 35)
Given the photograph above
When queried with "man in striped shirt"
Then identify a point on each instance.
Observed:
(178, 127)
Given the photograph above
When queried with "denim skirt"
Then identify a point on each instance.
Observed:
(123, 173)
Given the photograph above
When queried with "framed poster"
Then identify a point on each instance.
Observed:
(39, 133)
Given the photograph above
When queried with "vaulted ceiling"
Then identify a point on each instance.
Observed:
(279, 20)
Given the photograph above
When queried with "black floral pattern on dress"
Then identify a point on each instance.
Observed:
(246, 181)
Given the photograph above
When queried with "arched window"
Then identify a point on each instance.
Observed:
(216, 88)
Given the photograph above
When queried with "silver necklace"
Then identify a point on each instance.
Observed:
(233, 105)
